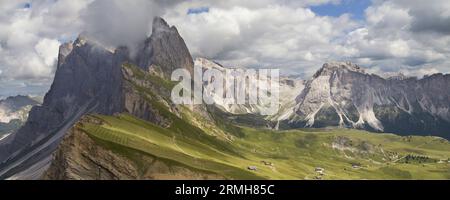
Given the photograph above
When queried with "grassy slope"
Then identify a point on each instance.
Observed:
(295, 154)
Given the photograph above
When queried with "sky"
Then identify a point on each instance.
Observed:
(297, 36)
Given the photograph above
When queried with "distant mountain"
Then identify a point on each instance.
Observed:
(344, 95)
(14, 112)
(289, 89)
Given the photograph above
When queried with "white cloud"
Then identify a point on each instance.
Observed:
(270, 35)
(391, 40)
(411, 36)
(29, 39)
(47, 49)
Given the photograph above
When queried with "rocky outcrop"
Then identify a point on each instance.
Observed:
(142, 94)
(342, 94)
(80, 157)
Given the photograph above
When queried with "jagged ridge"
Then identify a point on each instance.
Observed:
(342, 94)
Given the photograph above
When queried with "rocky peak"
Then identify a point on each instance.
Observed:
(64, 51)
(397, 76)
(208, 64)
(160, 25)
(330, 67)
(165, 49)
(80, 41)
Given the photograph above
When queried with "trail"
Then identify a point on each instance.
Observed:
(4, 136)
(174, 138)
(420, 145)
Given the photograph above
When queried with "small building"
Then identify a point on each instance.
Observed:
(252, 168)
(320, 170)
(356, 166)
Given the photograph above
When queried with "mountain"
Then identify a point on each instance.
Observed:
(287, 96)
(14, 113)
(165, 50)
(91, 79)
(109, 115)
(15, 108)
(344, 95)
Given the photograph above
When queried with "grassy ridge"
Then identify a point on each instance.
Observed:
(294, 154)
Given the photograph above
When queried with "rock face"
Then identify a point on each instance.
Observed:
(287, 96)
(79, 157)
(90, 79)
(342, 94)
(165, 50)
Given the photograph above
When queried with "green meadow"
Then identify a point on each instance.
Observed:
(280, 155)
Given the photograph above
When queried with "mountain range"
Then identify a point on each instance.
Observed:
(14, 113)
(108, 115)
(342, 94)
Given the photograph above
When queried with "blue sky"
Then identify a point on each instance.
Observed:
(27, 5)
(199, 10)
(354, 7)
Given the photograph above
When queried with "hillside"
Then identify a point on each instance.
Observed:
(152, 152)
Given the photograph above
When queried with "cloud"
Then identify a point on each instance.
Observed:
(29, 41)
(395, 37)
(410, 36)
(117, 22)
(267, 36)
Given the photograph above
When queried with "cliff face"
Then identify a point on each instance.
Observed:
(342, 94)
(80, 157)
(90, 79)
(165, 50)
